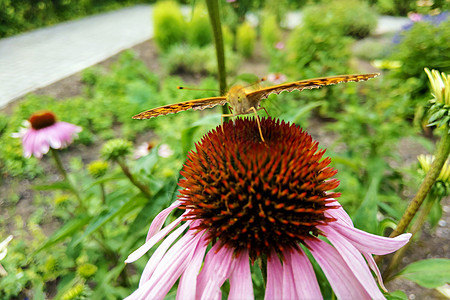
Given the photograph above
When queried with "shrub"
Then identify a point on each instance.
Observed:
(312, 53)
(168, 24)
(199, 30)
(424, 45)
(196, 60)
(270, 32)
(350, 17)
(245, 39)
(228, 37)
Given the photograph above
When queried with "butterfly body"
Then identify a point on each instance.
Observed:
(237, 99)
(244, 102)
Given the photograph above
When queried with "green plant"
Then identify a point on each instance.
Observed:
(245, 39)
(196, 60)
(423, 45)
(350, 17)
(168, 24)
(199, 30)
(270, 32)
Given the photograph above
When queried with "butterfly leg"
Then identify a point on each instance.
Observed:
(262, 107)
(221, 120)
(257, 120)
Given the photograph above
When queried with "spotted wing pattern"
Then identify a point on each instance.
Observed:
(258, 95)
(198, 104)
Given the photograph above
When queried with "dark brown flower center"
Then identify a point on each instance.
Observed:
(258, 196)
(42, 119)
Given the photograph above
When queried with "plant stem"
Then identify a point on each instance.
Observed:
(418, 224)
(127, 172)
(63, 172)
(58, 163)
(214, 18)
(441, 156)
(102, 190)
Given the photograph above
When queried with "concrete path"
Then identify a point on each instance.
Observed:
(38, 58)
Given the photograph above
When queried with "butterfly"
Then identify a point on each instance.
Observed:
(243, 102)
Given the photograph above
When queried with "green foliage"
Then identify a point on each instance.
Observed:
(116, 149)
(245, 39)
(270, 33)
(199, 31)
(168, 24)
(277, 9)
(228, 37)
(370, 49)
(429, 273)
(424, 45)
(403, 7)
(348, 17)
(312, 53)
(197, 60)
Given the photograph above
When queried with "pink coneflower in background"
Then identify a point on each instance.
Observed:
(279, 45)
(268, 202)
(42, 131)
(276, 78)
(143, 150)
(415, 17)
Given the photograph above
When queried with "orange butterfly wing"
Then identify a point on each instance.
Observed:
(258, 95)
(198, 104)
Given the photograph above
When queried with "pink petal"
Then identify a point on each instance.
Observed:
(159, 220)
(274, 277)
(169, 270)
(341, 278)
(340, 214)
(41, 145)
(288, 285)
(216, 270)
(188, 282)
(152, 241)
(305, 281)
(370, 243)
(374, 267)
(354, 261)
(156, 257)
(241, 287)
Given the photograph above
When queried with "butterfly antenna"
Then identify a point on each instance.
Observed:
(195, 89)
(256, 82)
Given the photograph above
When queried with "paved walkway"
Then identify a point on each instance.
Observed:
(38, 58)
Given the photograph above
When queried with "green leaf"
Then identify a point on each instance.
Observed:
(365, 217)
(67, 230)
(60, 185)
(396, 295)
(109, 215)
(303, 111)
(429, 273)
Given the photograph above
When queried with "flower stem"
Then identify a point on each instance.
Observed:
(127, 172)
(442, 153)
(63, 172)
(103, 193)
(214, 17)
(418, 224)
(58, 163)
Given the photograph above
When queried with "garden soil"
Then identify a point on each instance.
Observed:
(431, 244)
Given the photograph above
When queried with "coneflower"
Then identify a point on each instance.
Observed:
(246, 201)
(42, 131)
